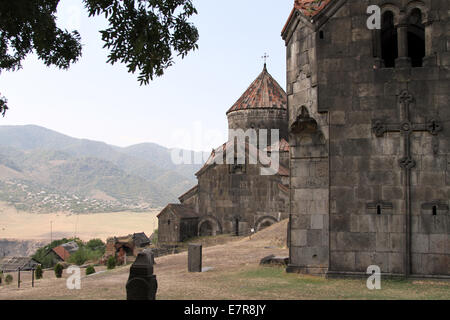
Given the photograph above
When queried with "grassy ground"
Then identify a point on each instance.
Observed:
(270, 283)
(236, 275)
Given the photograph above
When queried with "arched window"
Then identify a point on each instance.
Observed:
(416, 38)
(389, 47)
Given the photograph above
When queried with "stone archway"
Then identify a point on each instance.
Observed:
(205, 229)
(264, 222)
(209, 226)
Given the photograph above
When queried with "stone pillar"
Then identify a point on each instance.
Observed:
(377, 50)
(195, 258)
(309, 250)
(430, 58)
(403, 61)
(142, 284)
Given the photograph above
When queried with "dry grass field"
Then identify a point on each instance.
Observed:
(31, 226)
(235, 275)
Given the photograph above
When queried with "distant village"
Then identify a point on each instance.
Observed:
(62, 253)
(27, 197)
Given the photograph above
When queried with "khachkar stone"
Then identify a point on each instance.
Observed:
(142, 284)
(407, 128)
(195, 258)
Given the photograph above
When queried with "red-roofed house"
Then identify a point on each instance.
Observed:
(64, 251)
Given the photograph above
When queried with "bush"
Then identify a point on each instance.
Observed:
(96, 245)
(84, 254)
(90, 270)
(39, 273)
(1, 277)
(49, 260)
(111, 263)
(155, 237)
(9, 279)
(59, 270)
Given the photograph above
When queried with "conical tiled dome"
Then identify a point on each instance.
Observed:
(263, 93)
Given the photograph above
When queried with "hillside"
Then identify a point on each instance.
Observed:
(235, 275)
(44, 171)
(24, 248)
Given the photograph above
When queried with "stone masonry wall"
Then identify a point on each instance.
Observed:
(309, 199)
(247, 197)
(333, 71)
(259, 119)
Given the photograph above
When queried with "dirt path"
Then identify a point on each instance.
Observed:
(236, 275)
(173, 279)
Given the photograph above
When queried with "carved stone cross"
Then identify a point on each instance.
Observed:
(406, 128)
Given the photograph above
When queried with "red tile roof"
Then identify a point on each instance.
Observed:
(263, 93)
(283, 171)
(250, 150)
(282, 146)
(283, 188)
(62, 253)
(309, 8)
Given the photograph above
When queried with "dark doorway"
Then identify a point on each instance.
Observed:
(206, 229)
(416, 38)
(236, 226)
(389, 42)
(264, 225)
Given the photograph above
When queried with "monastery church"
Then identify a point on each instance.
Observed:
(364, 145)
(236, 198)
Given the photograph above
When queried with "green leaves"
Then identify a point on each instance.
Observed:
(30, 25)
(143, 34)
(3, 105)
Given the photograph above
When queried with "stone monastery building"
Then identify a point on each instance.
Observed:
(365, 177)
(369, 130)
(236, 198)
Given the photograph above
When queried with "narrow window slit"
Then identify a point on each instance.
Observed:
(434, 210)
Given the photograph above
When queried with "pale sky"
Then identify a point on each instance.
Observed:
(95, 100)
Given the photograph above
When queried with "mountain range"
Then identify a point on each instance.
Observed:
(45, 171)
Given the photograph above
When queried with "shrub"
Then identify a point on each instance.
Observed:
(111, 263)
(155, 237)
(96, 245)
(59, 270)
(9, 279)
(84, 254)
(1, 277)
(90, 270)
(39, 273)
